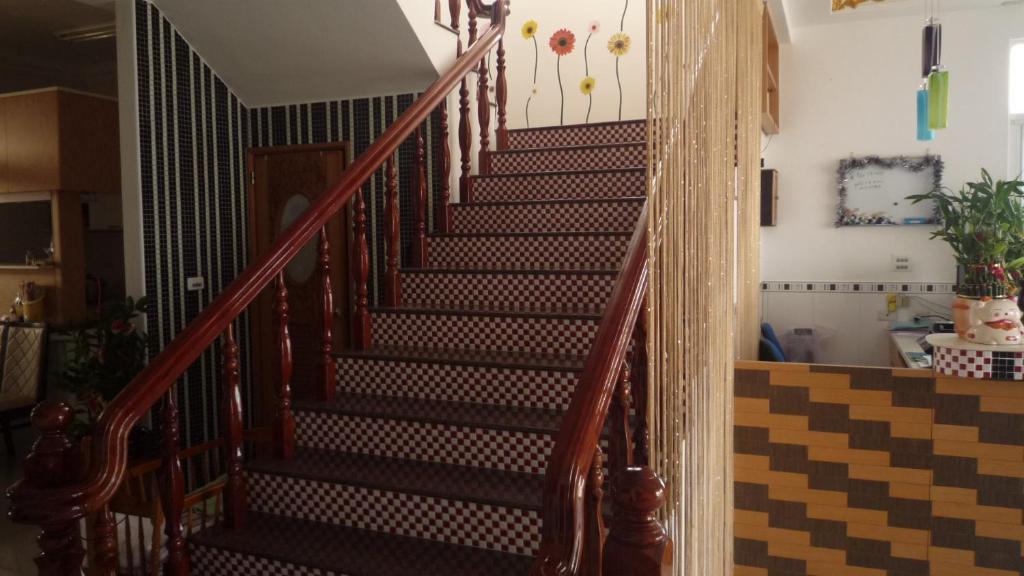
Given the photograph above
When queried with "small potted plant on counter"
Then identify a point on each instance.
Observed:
(102, 359)
(984, 225)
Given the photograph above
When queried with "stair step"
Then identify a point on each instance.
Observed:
(508, 379)
(588, 215)
(564, 185)
(482, 508)
(567, 290)
(589, 157)
(512, 439)
(530, 251)
(488, 330)
(272, 545)
(575, 134)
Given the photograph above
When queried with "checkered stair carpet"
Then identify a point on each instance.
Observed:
(431, 460)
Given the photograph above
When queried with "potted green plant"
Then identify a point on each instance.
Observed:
(103, 357)
(984, 225)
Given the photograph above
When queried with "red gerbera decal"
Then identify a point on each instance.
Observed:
(562, 42)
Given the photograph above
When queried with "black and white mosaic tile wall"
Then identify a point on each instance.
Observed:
(360, 122)
(193, 136)
(193, 133)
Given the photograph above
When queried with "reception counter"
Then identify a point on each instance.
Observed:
(877, 471)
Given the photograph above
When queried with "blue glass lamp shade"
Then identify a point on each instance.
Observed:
(924, 132)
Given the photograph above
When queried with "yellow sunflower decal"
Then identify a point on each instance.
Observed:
(587, 85)
(619, 44)
(529, 29)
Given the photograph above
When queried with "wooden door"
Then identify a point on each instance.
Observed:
(283, 183)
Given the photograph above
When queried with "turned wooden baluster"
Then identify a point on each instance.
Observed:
(483, 112)
(172, 492)
(637, 544)
(437, 10)
(325, 386)
(361, 329)
(593, 538)
(455, 9)
(472, 24)
(465, 136)
(54, 462)
(501, 94)
(392, 222)
(641, 434)
(105, 548)
(621, 441)
(235, 490)
(284, 420)
(443, 215)
(420, 247)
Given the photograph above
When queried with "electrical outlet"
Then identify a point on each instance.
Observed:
(882, 316)
(195, 283)
(901, 263)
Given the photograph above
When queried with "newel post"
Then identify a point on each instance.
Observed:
(55, 462)
(637, 544)
(465, 137)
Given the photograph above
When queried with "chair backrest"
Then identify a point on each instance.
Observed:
(22, 364)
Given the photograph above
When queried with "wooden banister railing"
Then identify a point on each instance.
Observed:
(572, 541)
(55, 492)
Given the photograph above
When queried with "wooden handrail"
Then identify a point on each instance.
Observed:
(35, 505)
(562, 546)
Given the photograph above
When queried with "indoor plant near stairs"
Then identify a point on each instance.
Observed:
(984, 225)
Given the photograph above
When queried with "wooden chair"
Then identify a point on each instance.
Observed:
(22, 374)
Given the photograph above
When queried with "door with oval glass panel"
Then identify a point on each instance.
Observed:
(284, 182)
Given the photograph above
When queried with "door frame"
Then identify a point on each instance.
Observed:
(262, 391)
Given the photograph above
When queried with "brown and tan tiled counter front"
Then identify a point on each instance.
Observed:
(877, 472)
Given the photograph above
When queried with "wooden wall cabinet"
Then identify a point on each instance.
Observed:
(59, 144)
(770, 67)
(56, 139)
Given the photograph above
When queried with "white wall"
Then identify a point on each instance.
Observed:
(576, 16)
(850, 89)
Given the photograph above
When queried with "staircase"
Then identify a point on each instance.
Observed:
(430, 461)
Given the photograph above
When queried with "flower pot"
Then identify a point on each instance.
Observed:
(988, 321)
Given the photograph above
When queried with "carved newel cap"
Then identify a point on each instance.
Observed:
(638, 490)
(54, 459)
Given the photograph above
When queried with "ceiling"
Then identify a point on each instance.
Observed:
(800, 13)
(277, 52)
(32, 57)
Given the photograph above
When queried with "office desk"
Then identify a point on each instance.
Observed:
(905, 352)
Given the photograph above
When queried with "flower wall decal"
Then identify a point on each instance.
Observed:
(562, 43)
(595, 27)
(618, 45)
(529, 32)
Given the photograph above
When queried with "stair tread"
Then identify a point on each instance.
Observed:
(565, 127)
(448, 481)
(492, 416)
(632, 144)
(529, 234)
(354, 552)
(553, 201)
(471, 357)
(514, 271)
(490, 311)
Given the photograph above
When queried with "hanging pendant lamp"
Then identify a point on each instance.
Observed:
(924, 131)
(938, 100)
(931, 48)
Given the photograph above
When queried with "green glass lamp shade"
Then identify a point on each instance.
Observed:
(938, 100)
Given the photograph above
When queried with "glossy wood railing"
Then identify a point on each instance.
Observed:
(573, 540)
(56, 492)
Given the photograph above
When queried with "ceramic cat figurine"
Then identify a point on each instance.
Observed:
(995, 323)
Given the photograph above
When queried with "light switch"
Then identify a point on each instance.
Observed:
(195, 283)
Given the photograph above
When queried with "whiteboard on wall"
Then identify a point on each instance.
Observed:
(873, 190)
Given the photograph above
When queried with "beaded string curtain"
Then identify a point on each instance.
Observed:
(704, 74)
